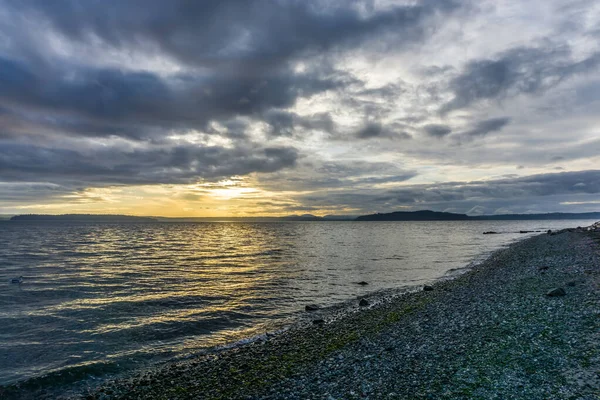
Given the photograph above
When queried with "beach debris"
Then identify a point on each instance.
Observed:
(363, 303)
(427, 288)
(311, 307)
(17, 281)
(556, 292)
(362, 283)
(490, 233)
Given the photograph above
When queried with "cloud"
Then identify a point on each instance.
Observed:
(484, 127)
(543, 192)
(262, 34)
(285, 123)
(313, 101)
(370, 130)
(527, 70)
(154, 165)
(437, 130)
(481, 129)
(106, 102)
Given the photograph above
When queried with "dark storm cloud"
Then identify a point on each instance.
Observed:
(215, 33)
(519, 70)
(179, 164)
(110, 102)
(236, 62)
(242, 48)
(285, 123)
(372, 130)
(437, 130)
(481, 129)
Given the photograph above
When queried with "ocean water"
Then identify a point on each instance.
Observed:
(104, 297)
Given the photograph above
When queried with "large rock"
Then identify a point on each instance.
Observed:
(556, 292)
(363, 303)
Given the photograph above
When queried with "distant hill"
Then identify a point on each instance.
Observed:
(427, 215)
(333, 217)
(423, 215)
(303, 217)
(81, 218)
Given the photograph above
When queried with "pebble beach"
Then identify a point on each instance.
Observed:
(524, 324)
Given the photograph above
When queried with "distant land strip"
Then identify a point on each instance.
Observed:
(423, 215)
(427, 215)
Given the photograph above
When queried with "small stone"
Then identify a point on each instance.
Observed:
(318, 321)
(363, 303)
(572, 283)
(544, 268)
(556, 292)
(311, 307)
(427, 288)
(362, 283)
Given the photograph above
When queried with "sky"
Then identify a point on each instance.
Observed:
(277, 107)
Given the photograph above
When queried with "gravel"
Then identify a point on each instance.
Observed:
(491, 333)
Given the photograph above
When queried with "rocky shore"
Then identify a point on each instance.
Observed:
(524, 324)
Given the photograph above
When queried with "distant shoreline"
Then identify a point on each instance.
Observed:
(423, 215)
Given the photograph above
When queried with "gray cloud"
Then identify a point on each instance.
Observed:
(285, 123)
(370, 130)
(518, 70)
(243, 79)
(238, 70)
(481, 129)
(541, 193)
(159, 92)
(261, 33)
(111, 102)
(177, 164)
(437, 130)
(484, 127)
